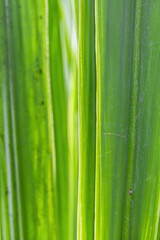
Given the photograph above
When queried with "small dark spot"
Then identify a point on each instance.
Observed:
(6, 192)
(40, 71)
(41, 17)
(130, 191)
(42, 102)
(19, 6)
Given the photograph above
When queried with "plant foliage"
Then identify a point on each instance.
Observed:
(79, 120)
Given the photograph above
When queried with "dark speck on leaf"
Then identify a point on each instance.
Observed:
(6, 192)
(41, 17)
(40, 71)
(130, 191)
(42, 102)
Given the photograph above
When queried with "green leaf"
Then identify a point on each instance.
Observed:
(87, 120)
(127, 157)
(73, 152)
(79, 126)
(59, 104)
(28, 178)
